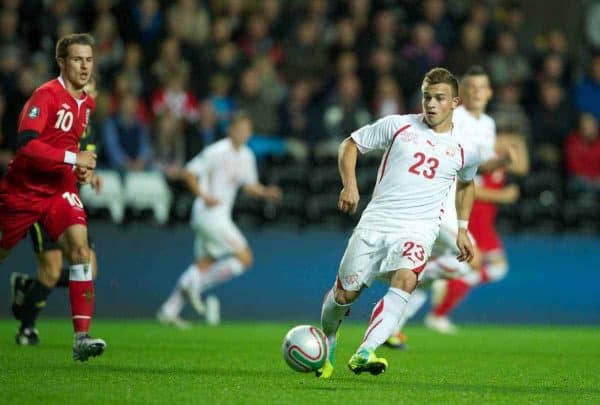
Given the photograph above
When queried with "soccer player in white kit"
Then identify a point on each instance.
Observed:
(394, 237)
(221, 251)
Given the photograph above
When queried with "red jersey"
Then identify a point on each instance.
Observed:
(59, 120)
(482, 223)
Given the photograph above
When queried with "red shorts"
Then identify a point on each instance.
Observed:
(487, 238)
(18, 211)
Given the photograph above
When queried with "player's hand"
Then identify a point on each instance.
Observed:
(465, 247)
(86, 159)
(272, 193)
(84, 175)
(510, 194)
(510, 155)
(97, 182)
(210, 201)
(348, 201)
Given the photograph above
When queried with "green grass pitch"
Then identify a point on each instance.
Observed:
(241, 363)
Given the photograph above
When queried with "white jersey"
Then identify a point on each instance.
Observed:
(221, 170)
(416, 173)
(481, 133)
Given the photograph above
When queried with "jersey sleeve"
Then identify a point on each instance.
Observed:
(200, 164)
(36, 112)
(376, 136)
(472, 160)
(487, 148)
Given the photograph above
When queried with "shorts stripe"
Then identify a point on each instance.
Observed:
(38, 237)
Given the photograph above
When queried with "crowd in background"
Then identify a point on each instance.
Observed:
(171, 73)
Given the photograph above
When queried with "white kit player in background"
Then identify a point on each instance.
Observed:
(221, 251)
(392, 242)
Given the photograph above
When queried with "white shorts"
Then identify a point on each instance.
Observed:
(445, 243)
(374, 255)
(217, 236)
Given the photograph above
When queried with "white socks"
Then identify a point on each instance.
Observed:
(417, 299)
(220, 272)
(332, 315)
(385, 318)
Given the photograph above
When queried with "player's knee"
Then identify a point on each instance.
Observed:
(343, 297)
(405, 280)
(497, 271)
(79, 254)
(246, 258)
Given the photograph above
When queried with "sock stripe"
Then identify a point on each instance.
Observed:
(378, 309)
(81, 317)
(371, 329)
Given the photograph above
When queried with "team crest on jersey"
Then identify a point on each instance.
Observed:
(409, 137)
(34, 112)
(450, 151)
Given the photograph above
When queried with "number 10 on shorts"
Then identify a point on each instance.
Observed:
(72, 199)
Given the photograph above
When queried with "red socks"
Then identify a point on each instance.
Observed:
(456, 291)
(81, 294)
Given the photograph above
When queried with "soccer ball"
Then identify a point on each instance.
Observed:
(305, 348)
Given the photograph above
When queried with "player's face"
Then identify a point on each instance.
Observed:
(241, 131)
(438, 103)
(77, 67)
(476, 92)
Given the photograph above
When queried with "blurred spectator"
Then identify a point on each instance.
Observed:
(389, 98)
(108, 52)
(272, 11)
(131, 68)
(587, 92)
(435, 14)
(345, 38)
(592, 24)
(514, 21)
(298, 117)
(122, 86)
(147, 25)
(262, 111)
(386, 32)
(7, 146)
(305, 55)
(256, 41)
(227, 60)
(169, 147)
(552, 118)
(582, 155)
(25, 84)
(345, 112)
(189, 21)
(507, 64)
(509, 114)
(170, 62)
(176, 99)
(481, 15)
(422, 53)
(221, 101)
(9, 24)
(126, 139)
(470, 52)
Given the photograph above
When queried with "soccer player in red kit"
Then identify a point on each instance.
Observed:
(41, 182)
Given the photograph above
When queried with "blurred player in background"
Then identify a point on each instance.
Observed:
(221, 251)
(392, 242)
(29, 294)
(491, 190)
(505, 153)
(41, 182)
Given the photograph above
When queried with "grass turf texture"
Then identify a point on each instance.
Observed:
(242, 363)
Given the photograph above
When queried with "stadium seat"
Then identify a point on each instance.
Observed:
(148, 190)
(291, 176)
(111, 196)
(324, 178)
(548, 181)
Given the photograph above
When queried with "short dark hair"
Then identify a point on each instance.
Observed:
(441, 75)
(63, 44)
(238, 116)
(475, 70)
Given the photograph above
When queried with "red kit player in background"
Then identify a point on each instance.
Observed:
(41, 182)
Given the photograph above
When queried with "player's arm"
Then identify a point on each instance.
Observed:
(33, 120)
(347, 157)
(465, 197)
(257, 190)
(515, 145)
(191, 181)
(505, 195)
